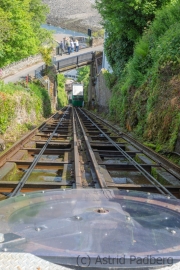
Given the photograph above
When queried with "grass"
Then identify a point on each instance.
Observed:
(21, 108)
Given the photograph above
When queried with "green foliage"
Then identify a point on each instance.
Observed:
(62, 96)
(145, 99)
(83, 74)
(168, 48)
(118, 105)
(110, 78)
(13, 97)
(174, 158)
(158, 47)
(7, 106)
(99, 33)
(46, 54)
(124, 22)
(43, 105)
(173, 130)
(5, 28)
(83, 77)
(21, 32)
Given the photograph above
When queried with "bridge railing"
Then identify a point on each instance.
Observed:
(68, 62)
(45, 82)
(74, 60)
(40, 70)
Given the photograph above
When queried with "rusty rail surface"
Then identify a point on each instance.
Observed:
(79, 152)
(163, 162)
(35, 161)
(19, 144)
(20, 158)
(101, 180)
(142, 168)
(77, 165)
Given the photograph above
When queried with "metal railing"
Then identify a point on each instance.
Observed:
(74, 60)
(67, 62)
(45, 82)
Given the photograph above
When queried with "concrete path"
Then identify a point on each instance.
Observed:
(31, 70)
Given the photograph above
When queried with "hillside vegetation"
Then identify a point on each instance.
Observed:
(146, 61)
(83, 77)
(21, 108)
(61, 95)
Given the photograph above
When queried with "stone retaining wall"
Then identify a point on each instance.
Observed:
(102, 94)
(17, 66)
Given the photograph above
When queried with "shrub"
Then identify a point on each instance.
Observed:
(62, 96)
(12, 97)
(141, 99)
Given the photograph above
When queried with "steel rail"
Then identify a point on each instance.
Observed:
(145, 150)
(101, 180)
(7, 188)
(74, 60)
(77, 169)
(4, 157)
(35, 161)
(148, 176)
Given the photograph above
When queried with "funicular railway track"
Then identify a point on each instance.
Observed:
(76, 149)
(39, 158)
(48, 158)
(127, 163)
(87, 178)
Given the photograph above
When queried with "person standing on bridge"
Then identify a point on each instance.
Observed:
(68, 46)
(61, 46)
(72, 46)
(77, 45)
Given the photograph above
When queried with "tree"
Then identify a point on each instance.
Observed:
(46, 53)
(124, 22)
(5, 26)
(5, 29)
(83, 77)
(23, 19)
(83, 74)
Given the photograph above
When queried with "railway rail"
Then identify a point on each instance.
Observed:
(87, 176)
(76, 149)
(160, 169)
